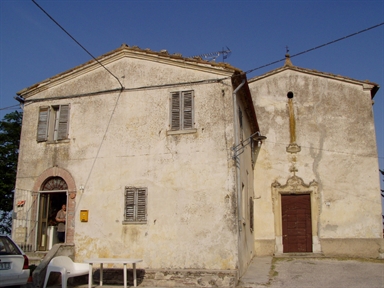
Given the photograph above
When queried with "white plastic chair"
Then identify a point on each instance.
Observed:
(67, 268)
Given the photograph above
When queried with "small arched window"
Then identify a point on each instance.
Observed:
(54, 183)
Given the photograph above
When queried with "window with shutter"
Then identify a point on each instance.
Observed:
(135, 205)
(181, 110)
(53, 123)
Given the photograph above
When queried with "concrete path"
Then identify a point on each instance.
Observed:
(257, 274)
(300, 272)
(303, 272)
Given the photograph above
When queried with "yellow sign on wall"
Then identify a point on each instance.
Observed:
(84, 215)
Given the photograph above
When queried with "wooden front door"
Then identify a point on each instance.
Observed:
(296, 222)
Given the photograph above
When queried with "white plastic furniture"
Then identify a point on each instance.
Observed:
(67, 268)
(123, 261)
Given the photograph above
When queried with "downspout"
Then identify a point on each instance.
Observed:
(237, 163)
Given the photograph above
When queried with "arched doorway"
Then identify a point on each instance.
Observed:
(52, 195)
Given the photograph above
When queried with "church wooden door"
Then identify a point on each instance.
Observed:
(296, 222)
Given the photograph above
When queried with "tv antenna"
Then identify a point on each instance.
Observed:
(214, 55)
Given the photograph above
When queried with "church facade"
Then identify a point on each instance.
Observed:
(316, 180)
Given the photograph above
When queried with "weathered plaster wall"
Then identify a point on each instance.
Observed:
(244, 163)
(335, 129)
(118, 140)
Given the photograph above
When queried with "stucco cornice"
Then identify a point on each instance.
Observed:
(366, 85)
(220, 69)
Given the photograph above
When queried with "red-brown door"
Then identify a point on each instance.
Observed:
(297, 226)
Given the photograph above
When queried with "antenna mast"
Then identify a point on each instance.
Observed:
(214, 55)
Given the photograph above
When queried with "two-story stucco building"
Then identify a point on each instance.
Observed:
(150, 160)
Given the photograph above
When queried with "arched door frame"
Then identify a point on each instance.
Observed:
(296, 185)
(71, 203)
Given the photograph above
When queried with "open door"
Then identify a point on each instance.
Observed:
(51, 198)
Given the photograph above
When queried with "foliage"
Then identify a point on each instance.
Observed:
(10, 129)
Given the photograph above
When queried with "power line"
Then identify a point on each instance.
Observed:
(150, 87)
(50, 17)
(331, 151)
(317, 47)
(9, 107)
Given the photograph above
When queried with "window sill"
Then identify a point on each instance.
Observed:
(177, 132)
(134, 222)
(55, 142)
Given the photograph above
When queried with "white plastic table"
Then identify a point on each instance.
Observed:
(123, 261)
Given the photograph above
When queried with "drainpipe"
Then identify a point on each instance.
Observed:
(237, 163)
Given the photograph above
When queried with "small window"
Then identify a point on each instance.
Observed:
(135, 205)
(251, 214)
(240, 118)
(53, 123)
(181, 117)
(241, 130)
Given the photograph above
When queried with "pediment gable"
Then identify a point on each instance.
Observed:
(134, 52)
(288, 66)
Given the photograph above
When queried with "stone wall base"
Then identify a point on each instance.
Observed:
(167, 278)
(352, 247)
(331, 247)
(264, 247)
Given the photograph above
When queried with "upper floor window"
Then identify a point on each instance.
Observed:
(53, 123)
(135, 205)
(181, 117)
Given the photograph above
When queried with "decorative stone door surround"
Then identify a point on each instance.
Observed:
(296, 185)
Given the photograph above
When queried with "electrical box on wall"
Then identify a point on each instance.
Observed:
(84, 215)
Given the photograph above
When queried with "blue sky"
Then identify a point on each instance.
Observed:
(33, 48)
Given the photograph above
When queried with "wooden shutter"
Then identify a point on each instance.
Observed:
(63, 122)
(129, 204)
(42, 126)
(187, 110)
(135, 204)
(141, 205)
(175, 111)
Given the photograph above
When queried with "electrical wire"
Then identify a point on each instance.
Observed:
(328, 150)
(317, 47)
(9, 107)
(202, 81)
(150, 87)
(61, 27)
